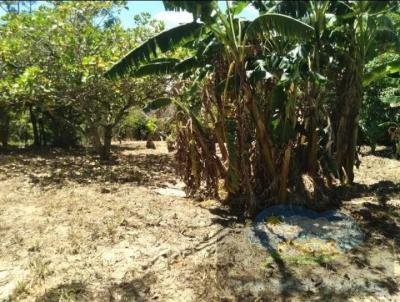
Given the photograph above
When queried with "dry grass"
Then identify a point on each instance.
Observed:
(75, 229)
(92, 233)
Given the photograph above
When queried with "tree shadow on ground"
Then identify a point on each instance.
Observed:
(384, 152)
(118, 148)
(243, 274)
(136, 289)
(55, 167)
(364, 271)
(240, 275)
(376, 214)
(75, 291)
(383, 190)
(380, 221)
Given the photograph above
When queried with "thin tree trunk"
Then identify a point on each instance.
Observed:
(313, 145)
(282, 195)
(219, 132)
(36, 138)
(4, 128)
(232, 179)
(106, 151)
(244, 159)
(42, 134)
(312, 160)
(219, 137)
(312, 135)
(95, 139)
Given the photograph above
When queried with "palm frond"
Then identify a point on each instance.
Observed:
(238, 6)
(381, 71)
(199, 9)
(156, 67)
(377, 6)
(276, 24)
(164, 41)
(187, 64)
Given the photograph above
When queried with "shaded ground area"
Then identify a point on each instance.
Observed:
(370, 272)
(75, 229)
(57, 168)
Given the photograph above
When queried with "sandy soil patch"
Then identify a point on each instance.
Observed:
(75, 229)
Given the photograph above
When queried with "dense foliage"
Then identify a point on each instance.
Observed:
(266, 106)
(282, 93)
(52, 64)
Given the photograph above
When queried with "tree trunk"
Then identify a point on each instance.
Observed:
(232, 179)
(95, 139)
(244, 150)
(4, 127)
(263, 136)
(36, 138)
(42, 134)
(150, 144)
(312, 159)
(106, 151)
(282, 194)
(312, 135)
(313, 146)
(347, 125)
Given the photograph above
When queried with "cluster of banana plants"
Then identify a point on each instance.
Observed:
(262, 103)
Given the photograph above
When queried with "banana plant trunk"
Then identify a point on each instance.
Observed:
(349, 106)
(284, 177)
(313, 100)
(263, 135)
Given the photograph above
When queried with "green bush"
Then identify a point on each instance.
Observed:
(377, 111)
(139, 126)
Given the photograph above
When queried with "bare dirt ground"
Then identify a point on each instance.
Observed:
(75, 229)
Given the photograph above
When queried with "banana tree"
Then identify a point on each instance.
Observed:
(249, 90)
(314, 13)
(362, 28)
